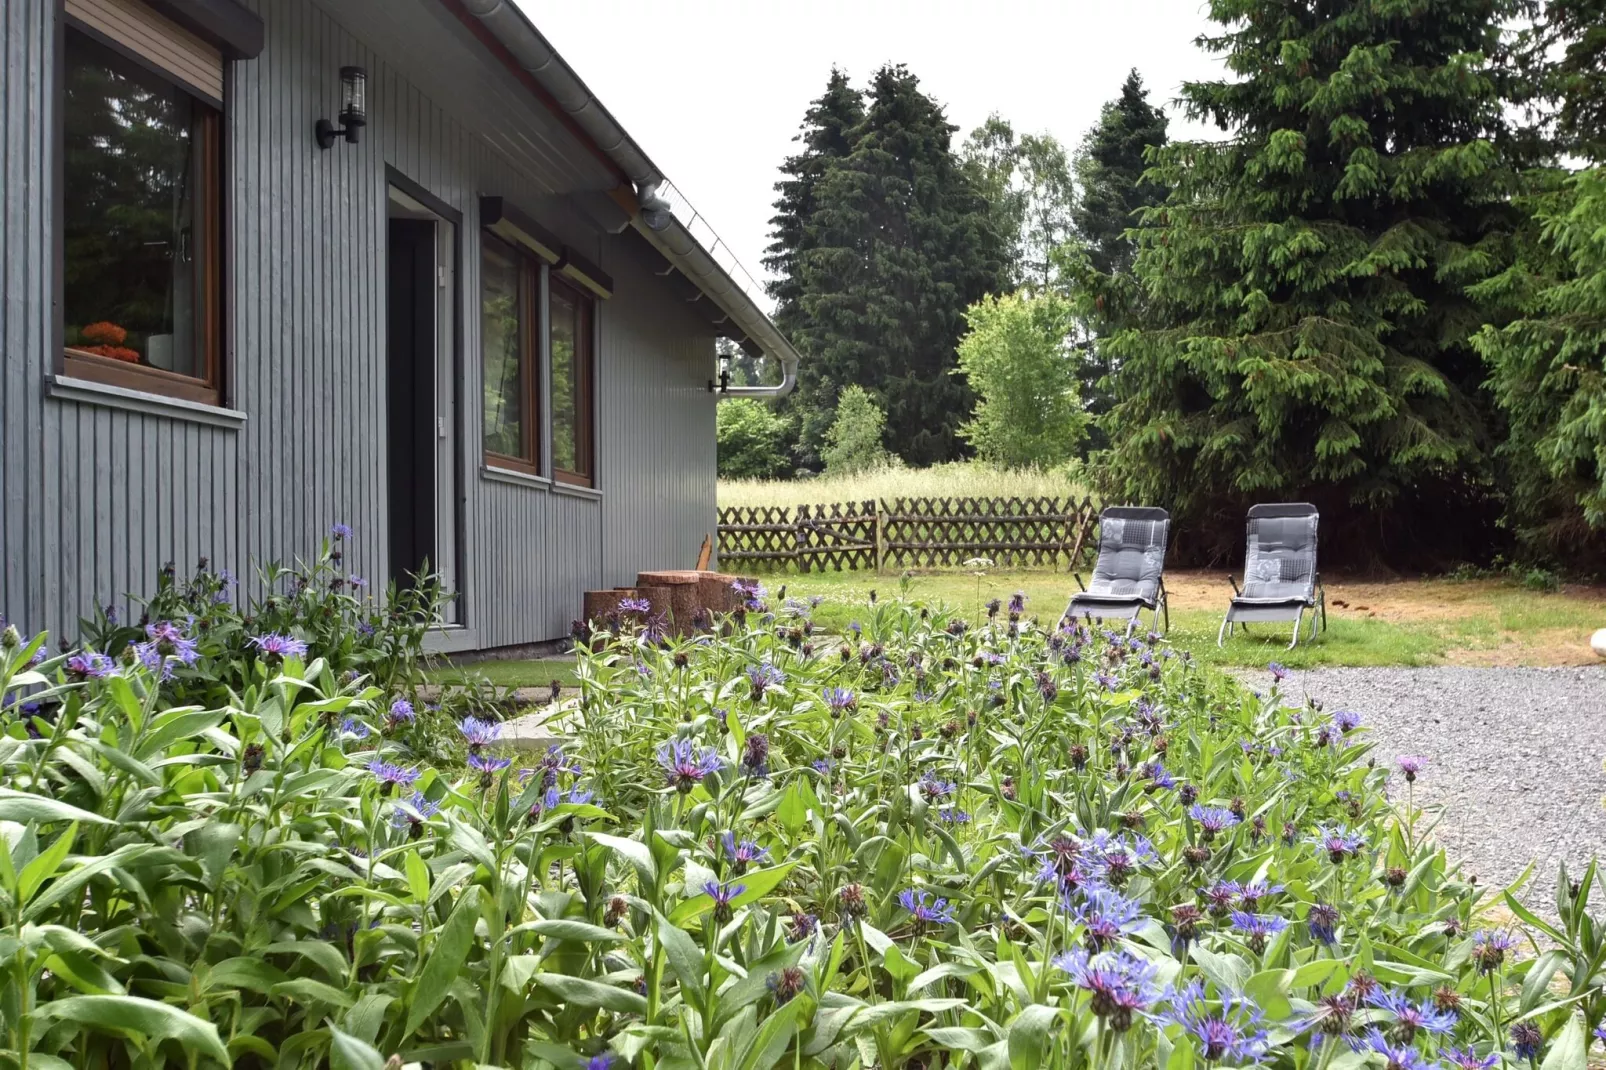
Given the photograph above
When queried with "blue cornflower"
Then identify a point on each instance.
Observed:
(1211, 820)
(756, 756)
(925, 910)
(840, 699)
(1257, 927)
(1220, 897)
(1106, 681)
(554, 762)
(401, 712)
(1279, 672)
(580, 796)
(1107, 915)
(1119, 981)
(1600, 1033)
(684, 765)
(479, 733)
(1489, 947)
(1338, 841)
(1017, 602)
(487, 764)
(600, 1062)
(1322, 922)
(1252, 893)
(354, 728)
(934, 787)
(414, 812)
(1412, 1017)
(279, 646)
(763, 677)
(743, 853)
(722, 894)
(151, 658)
(1233, 1033)
(1526, 1040)
(390, 774)
(1155, 773)
(89, 665)
(635, 605)
(823, 766)
(1397, 1056)
(952, 815)
(340, 531)
(1467, 1059)
(1347, 720)
(1411, 765)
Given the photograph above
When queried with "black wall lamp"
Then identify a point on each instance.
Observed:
(353, 109)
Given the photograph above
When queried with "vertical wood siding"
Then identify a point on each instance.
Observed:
(94, 499)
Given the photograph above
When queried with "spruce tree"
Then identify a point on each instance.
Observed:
(1307, 279)
(1109, 175)
(825, 137)
(899, 243)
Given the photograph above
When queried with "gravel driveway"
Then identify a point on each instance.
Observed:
(1515, 758)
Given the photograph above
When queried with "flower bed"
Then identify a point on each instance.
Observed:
(925, 844)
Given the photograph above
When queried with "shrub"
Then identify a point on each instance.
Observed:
(937, 844)
(853, 441)
(1020, 367)
(751, 440)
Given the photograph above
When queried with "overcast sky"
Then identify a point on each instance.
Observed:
(714, 90)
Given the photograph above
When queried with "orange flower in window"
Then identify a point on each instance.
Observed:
(104, 335)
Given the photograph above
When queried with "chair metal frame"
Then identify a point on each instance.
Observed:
(1242, 613)
(1132, 607)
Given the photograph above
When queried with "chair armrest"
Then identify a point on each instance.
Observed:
(1234, 583)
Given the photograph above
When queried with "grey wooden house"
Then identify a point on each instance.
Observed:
(273, 265)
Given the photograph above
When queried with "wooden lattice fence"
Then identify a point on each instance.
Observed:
(908, 533)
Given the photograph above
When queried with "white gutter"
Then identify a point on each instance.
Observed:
(655, 220)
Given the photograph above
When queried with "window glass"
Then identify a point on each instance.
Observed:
(502, 342)
(571, 380)
(139, 214)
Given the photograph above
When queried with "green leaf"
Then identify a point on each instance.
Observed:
(170, 726)
(21, 807)
(578, 931)
(444, 959)
(685, 959)
(1570, 1050)
(1028, 1035)
(773, 1038)
(346, 1052)
(793, 811)
(585, 993)
(759, 883)
(871, 1016)
(250, 973)
(633, 851)
(214, 843)
(45, 864)
(73, 880)
(133, 1015)
(417, 877)
(306, 990)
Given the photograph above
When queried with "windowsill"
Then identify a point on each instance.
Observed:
(518, 479)
(575, 491)
(89, 392)
(450, 639)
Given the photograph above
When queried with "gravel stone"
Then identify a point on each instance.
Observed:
(1514, 758)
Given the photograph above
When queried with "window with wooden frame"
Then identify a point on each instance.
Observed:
(510, 282)
(573, 373)
(141, 215)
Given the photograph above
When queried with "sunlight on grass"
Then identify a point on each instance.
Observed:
(960, 479)
(515, 672)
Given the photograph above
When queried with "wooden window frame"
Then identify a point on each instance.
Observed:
(585, 375)
(529, 299)
(206, 389)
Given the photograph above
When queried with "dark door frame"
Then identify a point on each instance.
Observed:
(395, 178)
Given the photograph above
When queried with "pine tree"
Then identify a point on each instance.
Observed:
(899, 244)
(1308, 279)
(1109, 175)
(826, 137)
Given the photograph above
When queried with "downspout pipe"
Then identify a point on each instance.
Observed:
(654, 218)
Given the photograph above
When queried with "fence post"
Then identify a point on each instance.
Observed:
(800, 538)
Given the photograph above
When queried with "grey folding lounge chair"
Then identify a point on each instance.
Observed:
(1280, 577)
(1129, 574)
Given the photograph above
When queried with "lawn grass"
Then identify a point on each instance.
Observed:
(1403, 623)
(513, 672)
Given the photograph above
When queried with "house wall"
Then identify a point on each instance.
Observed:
(93, 499)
